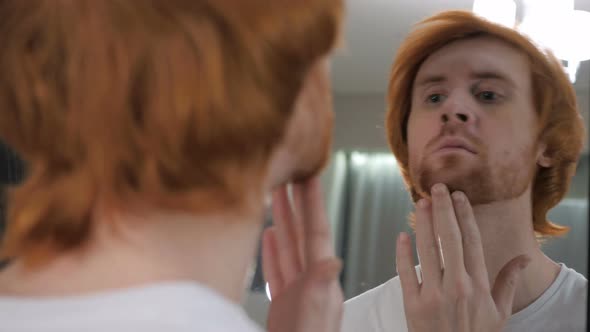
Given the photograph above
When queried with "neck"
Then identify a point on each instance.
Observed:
(216, 251)
(506, 229)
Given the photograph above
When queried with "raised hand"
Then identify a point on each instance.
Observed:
(300, 265)
(455, 296)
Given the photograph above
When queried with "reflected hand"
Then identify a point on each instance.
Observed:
(457, 297)
(300, 265)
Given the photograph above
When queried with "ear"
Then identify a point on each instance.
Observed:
(543, 159)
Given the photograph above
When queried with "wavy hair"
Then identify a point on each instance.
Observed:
(561, 126)
(178, 103)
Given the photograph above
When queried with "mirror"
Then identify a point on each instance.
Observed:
(366, 198)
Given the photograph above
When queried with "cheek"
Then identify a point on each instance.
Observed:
(317, 100)
(324, 98)
(420, 131)
(326, 111)
(415, 146)
(509, 141)
(327, 127)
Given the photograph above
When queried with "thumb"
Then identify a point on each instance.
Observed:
(505, 284)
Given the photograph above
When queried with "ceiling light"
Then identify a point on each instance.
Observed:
(553, 25)
(498, 11)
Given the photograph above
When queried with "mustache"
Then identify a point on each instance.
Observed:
(456, 130)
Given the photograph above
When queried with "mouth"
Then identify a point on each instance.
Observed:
(453, 148)
(454, 145)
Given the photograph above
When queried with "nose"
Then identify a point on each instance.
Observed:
(456, 111)
(458, 116)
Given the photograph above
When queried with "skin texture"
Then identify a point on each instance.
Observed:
(455, 97)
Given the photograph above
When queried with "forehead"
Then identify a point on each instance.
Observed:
(463, 58)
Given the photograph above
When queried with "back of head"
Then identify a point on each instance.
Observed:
(561, 127)
(176, 104)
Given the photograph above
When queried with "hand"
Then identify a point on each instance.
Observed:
(458, 296)
(300, 265)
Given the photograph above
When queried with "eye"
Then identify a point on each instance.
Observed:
(487, 96)
(434, 98)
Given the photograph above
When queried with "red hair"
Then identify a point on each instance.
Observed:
(561, 126)
(177, 103)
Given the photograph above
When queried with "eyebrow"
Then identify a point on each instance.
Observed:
(474, 75)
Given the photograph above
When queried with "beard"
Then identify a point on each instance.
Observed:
(482, 180)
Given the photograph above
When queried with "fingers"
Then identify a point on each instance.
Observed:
(448, 230)
(405, 267)
(286, 238)
(297, 195)
(427, 244)
(317, 234)
(326, 271)
(471, 239)
(323, 299)
(270, 265)
(299, 236)
(505, 284)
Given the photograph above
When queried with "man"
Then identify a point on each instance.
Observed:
(486, 132)
(152, 132)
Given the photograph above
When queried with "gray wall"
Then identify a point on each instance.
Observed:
(359, 122)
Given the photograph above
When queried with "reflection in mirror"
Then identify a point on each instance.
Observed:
(367, 200)
(369, 205)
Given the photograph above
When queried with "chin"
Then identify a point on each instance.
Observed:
(455, 178)
(311, 166)
(305, 173)
(476, 185)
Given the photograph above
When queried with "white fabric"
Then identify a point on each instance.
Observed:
(166, 307)
(562, 307)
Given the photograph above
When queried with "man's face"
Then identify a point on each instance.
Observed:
(472, 124)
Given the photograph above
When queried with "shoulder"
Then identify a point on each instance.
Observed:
(174, 307)
(378, 309)
(573, 287)
(575, 277)
(379, 294)
(206, 310)
(562, 307)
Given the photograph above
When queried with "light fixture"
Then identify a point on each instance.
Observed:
(550, 24)
(358, 158)
(498, 11)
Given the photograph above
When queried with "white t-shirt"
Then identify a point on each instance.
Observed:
(166, 307)
(562, 307)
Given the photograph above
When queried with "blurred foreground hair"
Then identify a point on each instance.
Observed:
(172, 103)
